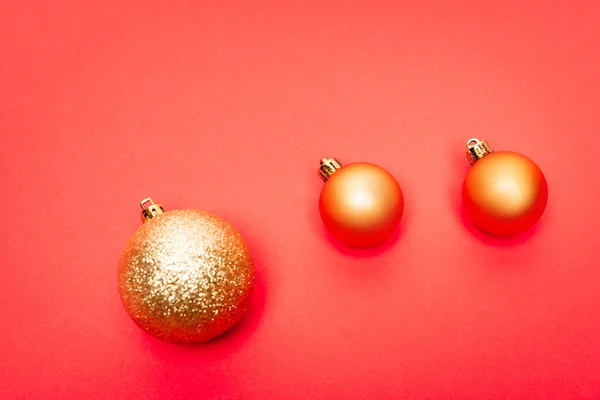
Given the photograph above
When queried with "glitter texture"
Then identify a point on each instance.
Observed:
(186, 276)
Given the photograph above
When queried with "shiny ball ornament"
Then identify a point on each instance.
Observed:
(361, 204)
(504, 193)
(185, 276)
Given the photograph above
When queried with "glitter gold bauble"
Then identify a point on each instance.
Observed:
(361, 204)
(504, 193)
(185, 276)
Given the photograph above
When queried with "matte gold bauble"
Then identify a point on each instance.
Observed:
(504, 193)
(361, 204)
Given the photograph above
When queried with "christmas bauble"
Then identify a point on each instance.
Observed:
(185, 276)
(504, 193)
(361, 204)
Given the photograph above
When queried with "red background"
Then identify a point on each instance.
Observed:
(228, 106)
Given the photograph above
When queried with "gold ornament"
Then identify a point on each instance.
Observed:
(361, 204)
(185, 276)
(504, 193)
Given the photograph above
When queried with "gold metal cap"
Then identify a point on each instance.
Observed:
(328, 167)
(150, 209)
(477, 149)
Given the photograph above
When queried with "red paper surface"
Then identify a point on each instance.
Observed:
(228, 107)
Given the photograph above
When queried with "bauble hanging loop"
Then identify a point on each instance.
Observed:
(185, 276)
(504, 193)
(361, 204)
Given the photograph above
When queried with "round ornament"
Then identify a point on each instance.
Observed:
(185, 276)
(361, 204)
(504, 193)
